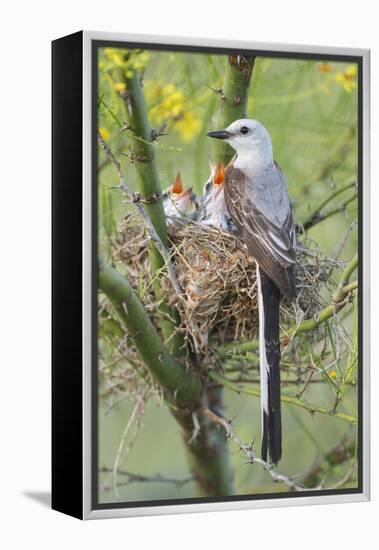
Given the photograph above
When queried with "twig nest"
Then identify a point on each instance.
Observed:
(218, 278)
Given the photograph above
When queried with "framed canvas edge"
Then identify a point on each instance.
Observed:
(88, 511)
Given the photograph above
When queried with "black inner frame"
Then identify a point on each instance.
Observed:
(95, 45)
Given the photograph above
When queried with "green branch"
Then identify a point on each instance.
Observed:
(316, 216)
(339, 300)
(146, 218)
(143, 154)
(206, 446)
(343, 286)
(329, 311)
(337, 455)
(312, 409)
(233, 99)
(143, 157)
(181, 385)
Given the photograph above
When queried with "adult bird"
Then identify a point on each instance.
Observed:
(257, 199)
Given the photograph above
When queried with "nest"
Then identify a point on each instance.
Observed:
(218, 278)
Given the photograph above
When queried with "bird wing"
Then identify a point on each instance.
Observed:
(262, 213)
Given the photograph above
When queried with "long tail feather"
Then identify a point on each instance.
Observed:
(269, 361)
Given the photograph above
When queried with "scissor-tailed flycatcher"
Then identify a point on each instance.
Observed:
(178, 202)
(257, 199)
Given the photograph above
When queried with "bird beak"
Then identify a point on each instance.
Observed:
(188, 193)
(177, 186)
(212, 165)
(220, 134)
(219, 176)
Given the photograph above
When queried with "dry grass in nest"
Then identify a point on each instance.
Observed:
(218, 278)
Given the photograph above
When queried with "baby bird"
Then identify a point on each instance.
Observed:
(213, 209)
(178, 203)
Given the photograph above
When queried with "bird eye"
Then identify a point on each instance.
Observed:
(244, 130)
(208, 186)
(164, 196)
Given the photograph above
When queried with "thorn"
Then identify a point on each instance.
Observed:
(218, 91)
(125, 127)
(237, 100)
(136, 197)
(156, 133)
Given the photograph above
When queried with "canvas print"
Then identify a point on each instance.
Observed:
(228, 319)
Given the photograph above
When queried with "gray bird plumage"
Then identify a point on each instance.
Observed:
(260, 208)
(257, 200)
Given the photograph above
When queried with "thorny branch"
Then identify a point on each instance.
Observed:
(173, 376)
(119, 453)
(317, 216)
(276, 476)
(337, 455)
(138, 478)
(148, 223)
(233, 98)
(247, 450)
(255, 392)
(339, 299)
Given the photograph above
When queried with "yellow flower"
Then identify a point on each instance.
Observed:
(324, 67)
(351, 71)
(140, 60)
(168, 89)
(115, 55)
(104, 133)
(119, 86)
(188, 126)
(347, 78)
(171, 104)
(333, 374)
(129, 60)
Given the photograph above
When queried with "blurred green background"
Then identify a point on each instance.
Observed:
(310, 110)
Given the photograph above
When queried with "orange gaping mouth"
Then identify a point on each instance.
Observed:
(219, 176)
(177, 186)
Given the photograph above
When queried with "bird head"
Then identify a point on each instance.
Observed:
(216, 178)
(178, 201)
(246, 135)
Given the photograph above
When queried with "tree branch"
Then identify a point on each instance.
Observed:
(312, 409)
(140, 133)
(138, 478)
(143, 156)
(233, 99)
(250, 455)
(339, 299)
(316, 216)
(208, 451)
(148, 223)
(340, 453)
(181, 385)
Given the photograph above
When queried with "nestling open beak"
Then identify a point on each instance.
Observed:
(177, 186)
(220, 134)
(187, 193)
(219, 176)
